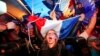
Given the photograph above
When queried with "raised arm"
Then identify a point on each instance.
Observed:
(90, 27)
(37, 33)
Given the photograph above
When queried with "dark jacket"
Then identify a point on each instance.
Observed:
(58, 50)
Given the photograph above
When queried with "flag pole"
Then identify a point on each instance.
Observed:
(59, 1)
(52, 14)
(29, 44)
(20, 2)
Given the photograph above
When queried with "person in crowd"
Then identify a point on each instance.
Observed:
(87, 31)
(51, 45)
(33, 42)
(12, 37)
(2, 28)
(83, 46)
(94, 39)
(6, 29)
(79, 8)
(94, 44)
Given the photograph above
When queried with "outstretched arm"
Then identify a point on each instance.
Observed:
(36, 32)
(53, 15)
(90, 27)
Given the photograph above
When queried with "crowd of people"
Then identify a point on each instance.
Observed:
(18, 39)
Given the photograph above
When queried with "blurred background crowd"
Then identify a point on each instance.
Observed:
(15, 35)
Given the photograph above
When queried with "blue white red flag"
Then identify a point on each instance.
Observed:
(62, 27)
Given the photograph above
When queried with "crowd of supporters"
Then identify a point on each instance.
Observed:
(17, 40)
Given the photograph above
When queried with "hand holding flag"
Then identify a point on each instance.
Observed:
(82, 16)
(53, 15)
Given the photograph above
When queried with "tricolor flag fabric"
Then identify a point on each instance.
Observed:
(67, 7)
(36, 7)
(62, 27)
(44, 7)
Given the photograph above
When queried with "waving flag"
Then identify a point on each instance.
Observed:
(36, 7)
(67, 7)
(89, 6)
(62, 27)
(44, 7)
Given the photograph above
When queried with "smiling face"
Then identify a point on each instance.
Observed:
(51, 37)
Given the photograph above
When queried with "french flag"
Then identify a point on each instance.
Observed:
(62, 27)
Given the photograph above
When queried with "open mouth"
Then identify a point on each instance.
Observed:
(50, 37)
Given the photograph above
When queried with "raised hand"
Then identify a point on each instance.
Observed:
(82, 16)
